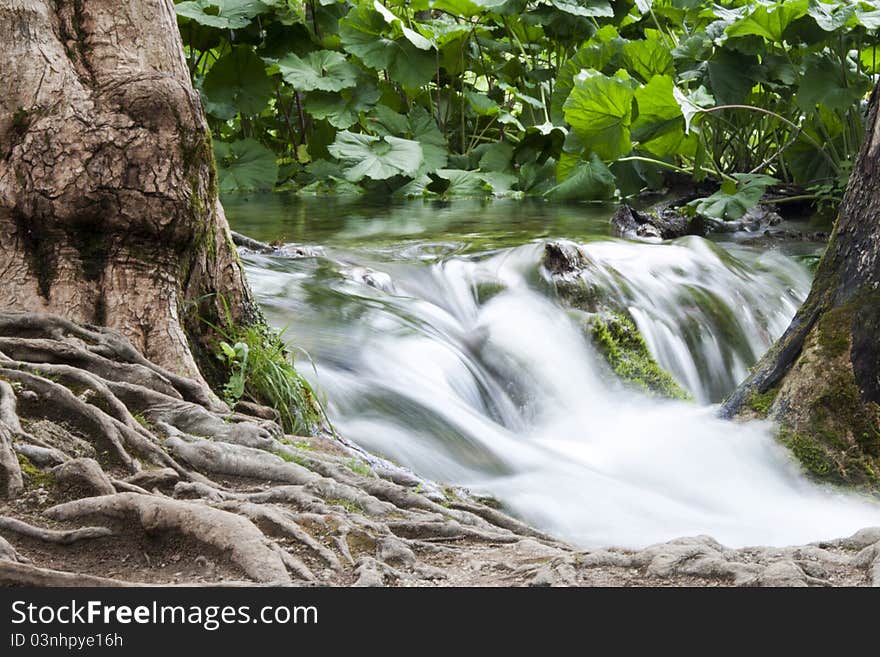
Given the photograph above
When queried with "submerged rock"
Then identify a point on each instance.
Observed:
(610, 328)
(619, 342)
(568, 268)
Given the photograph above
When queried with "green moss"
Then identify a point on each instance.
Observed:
(578, 294)
(836, 435)
(761, 402)
(815, 460)
(624, 349)
(34, 476)
(835, 329)
(485, 291)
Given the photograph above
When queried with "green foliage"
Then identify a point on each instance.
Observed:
(237, 83)
(599, 110)
(320, 70)
(736, 196)
(477, 97)
(261, 370)
(378, 158)
(359, 467)
(245, 165)
(34, 477)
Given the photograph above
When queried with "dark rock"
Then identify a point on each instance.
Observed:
(663, 221)
(563, 258)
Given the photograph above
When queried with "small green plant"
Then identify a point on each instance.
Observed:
(236, 357)
(260, 369)
(292, 458)
(735, 198)
(141, 419)
(348, 505)
(359, 467)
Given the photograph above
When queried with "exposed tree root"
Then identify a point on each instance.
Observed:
(227, 532)
(65, 537)
(165, 485)
(22, 574)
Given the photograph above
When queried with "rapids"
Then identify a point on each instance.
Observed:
(438, 343)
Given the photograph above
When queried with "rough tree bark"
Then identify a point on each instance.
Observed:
(108, 194)
(821, 381)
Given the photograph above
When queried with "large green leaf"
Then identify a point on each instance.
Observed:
(586, 8)
(831, 17)
(769, 19)
(398, 26)
(245, 165)
(343, 109)
(497, 157)
(481, 103)
(692, 104)
(457, 183)
(423, 129)
(237, 82)
(321, 70)
(730, 74)
(599, 110)
(588, 181)
(366, 34)
(660, 124)
(383, 121)
(377, 158)
(222, 14)
(417, 125)
(598, 53)
(649, 56)
(869, 18)
(822, 83)
(464, 8)
(735, 198)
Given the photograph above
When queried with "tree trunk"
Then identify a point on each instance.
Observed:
(821, 381)
(109, 213)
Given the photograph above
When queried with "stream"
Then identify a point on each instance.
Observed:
(437, 342)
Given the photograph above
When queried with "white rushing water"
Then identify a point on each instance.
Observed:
(468, 371)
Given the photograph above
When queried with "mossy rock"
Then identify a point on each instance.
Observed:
(624, 349)
(762, 402)
(825, 420)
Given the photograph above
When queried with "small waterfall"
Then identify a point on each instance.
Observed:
(465, 368)
(706, 313)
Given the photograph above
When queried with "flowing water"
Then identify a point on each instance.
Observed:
(438, 343)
